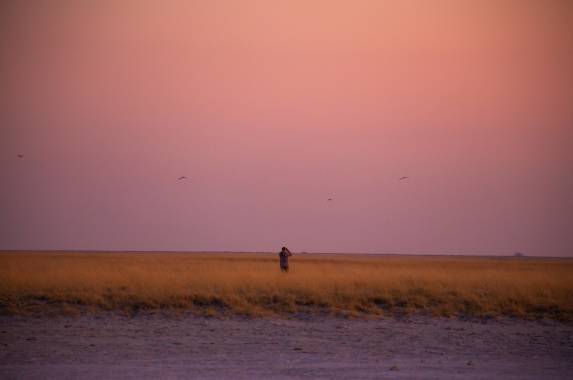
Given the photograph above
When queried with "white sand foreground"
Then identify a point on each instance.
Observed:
(110, 346)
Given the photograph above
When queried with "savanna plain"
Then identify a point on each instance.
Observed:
(223, 315)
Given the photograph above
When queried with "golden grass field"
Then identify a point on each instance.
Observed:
(251, 284)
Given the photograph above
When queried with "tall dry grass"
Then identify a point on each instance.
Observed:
(253, 284)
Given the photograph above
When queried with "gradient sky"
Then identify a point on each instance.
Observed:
(272, 107)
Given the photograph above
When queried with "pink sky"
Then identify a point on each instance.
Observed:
(272, 107)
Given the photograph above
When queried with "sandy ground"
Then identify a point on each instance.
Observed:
(157, 346)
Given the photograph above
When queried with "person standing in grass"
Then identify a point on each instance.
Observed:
(284, 254)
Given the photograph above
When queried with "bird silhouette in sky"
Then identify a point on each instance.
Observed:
(182, 177)
(403, 178)
(329, 200)
(20, 155)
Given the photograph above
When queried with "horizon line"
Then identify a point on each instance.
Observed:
(507, 255)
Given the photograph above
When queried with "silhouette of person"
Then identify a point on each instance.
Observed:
(284, 254)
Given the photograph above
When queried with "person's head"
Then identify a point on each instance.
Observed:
(283, 249)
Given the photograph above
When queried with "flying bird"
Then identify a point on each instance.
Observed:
(20, 155)
(182, 177)
(401, 178)
(329, 200)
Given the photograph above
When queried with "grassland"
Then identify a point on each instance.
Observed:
(251, 284)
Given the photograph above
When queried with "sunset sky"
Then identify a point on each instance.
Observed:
(272, 107)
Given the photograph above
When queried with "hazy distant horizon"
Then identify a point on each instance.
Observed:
(268, 109)
(302, 252)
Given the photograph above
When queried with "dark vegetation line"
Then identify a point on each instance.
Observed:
(490, 255)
